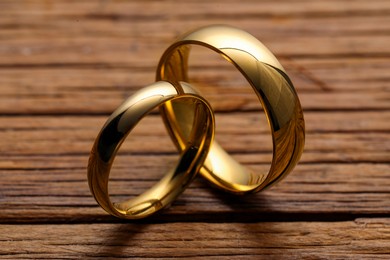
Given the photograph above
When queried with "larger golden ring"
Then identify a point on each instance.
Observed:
(273, 88)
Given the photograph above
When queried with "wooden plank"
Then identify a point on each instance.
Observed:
(331, 137)
(100, 103)
(322, 86)
(31, 26)
(297, 240)
(83, 48)
(49, 139)
(233, 123)
(59, 192)
(338, 75)
(186, 8)
(145, 52)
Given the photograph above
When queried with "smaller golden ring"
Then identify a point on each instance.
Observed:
(273, 88)
(121, 123)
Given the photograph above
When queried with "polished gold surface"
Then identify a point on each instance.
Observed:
(119, 125)
(270, 83)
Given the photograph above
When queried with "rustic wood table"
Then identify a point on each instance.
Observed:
(66, 65)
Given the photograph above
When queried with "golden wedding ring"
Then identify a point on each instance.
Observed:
(273, 88)
(121, 123)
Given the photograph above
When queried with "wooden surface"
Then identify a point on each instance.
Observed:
(66, 65)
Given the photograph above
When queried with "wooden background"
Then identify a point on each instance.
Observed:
(66, 65)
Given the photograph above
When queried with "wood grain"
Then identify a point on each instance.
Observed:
(66, 65)
(338, 240)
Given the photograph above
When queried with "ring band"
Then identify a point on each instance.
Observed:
(120, 124)
(273, 88)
